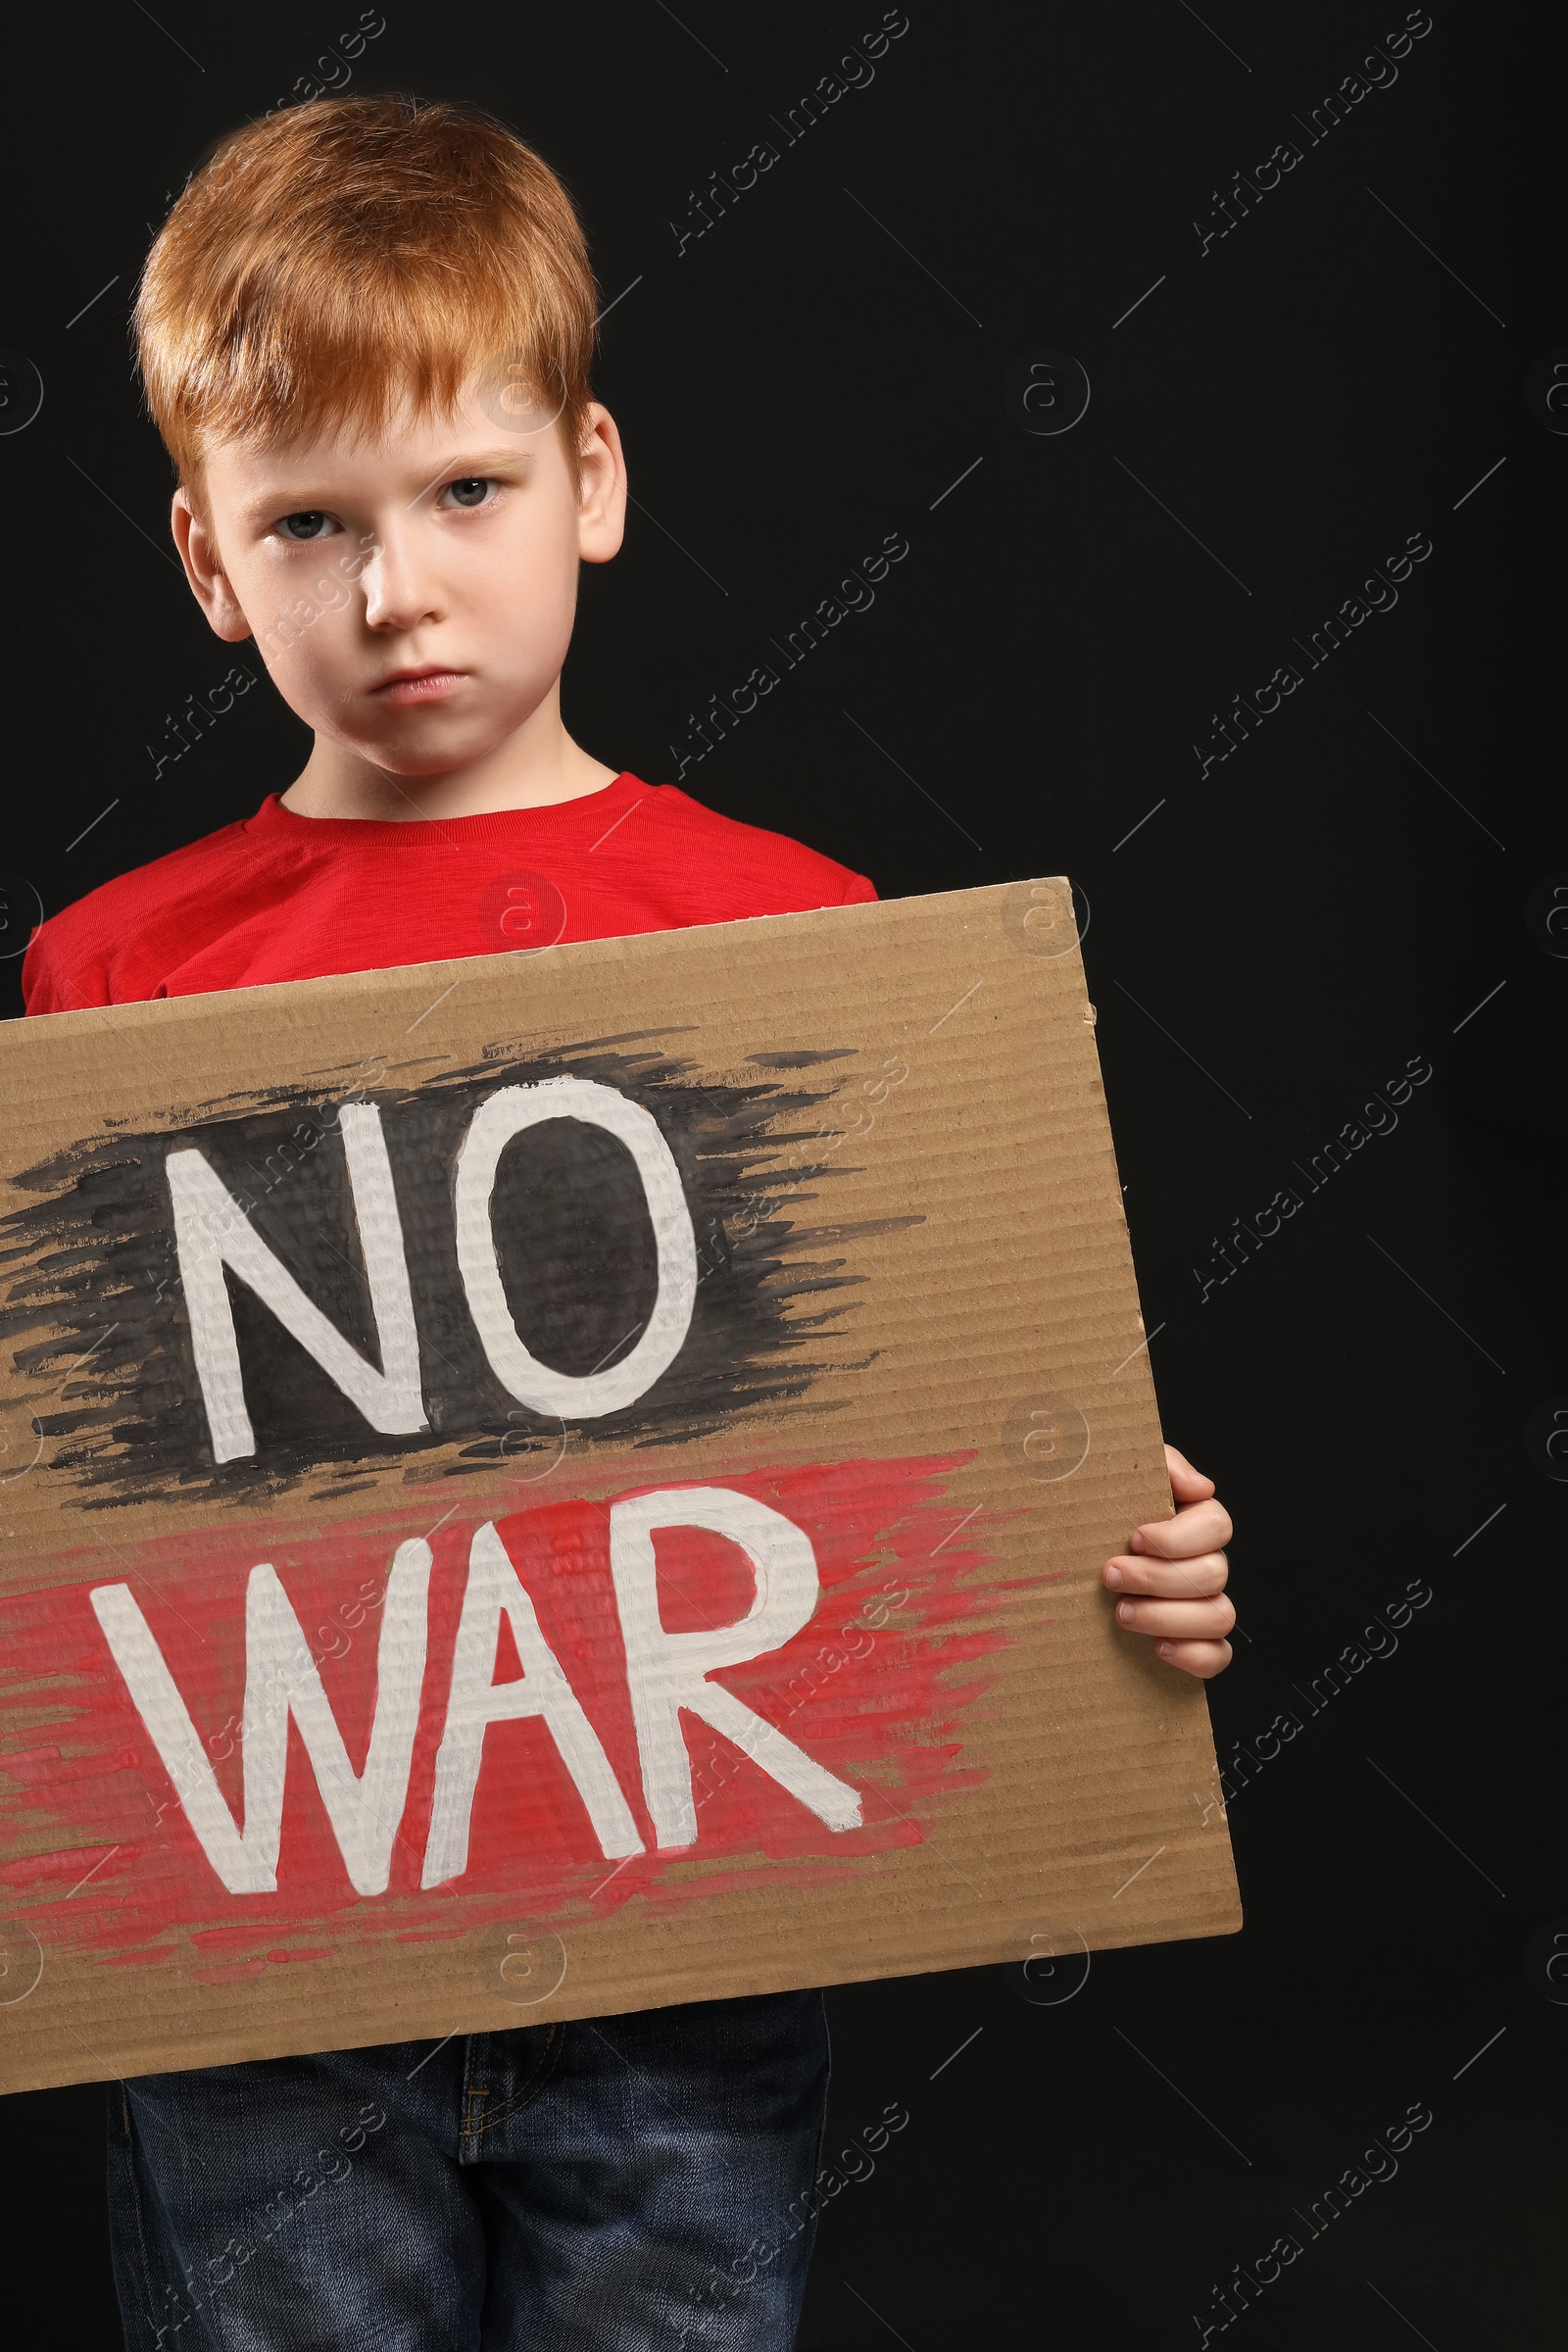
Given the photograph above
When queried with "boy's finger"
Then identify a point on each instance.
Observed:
(1200, 1527)
(1178, 1620)
(1187, 1484)
(1201, 1658)
(1175, 1580)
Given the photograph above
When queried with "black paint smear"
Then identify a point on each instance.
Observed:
(93, 1269)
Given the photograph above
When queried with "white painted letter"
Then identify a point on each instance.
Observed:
(212, 1231)
(667, 1671)
(280, 1680)
(508, 1112)
(494, 1590)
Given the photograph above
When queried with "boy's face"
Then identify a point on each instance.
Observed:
(412, 596)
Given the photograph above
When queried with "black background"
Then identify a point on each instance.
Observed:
(1273, 943)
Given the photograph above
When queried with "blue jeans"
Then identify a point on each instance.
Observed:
(632, 2183)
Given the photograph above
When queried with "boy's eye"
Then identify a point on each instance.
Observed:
(471, 490)
(310, 523)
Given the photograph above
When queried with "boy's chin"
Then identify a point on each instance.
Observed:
(426, 748)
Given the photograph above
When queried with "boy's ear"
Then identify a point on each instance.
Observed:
(204, 568)
(602, 504)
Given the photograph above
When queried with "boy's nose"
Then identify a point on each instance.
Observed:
(399, 590)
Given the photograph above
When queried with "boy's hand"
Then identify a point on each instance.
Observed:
(1179, 1564)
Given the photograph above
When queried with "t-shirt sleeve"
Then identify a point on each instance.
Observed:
(52, 982)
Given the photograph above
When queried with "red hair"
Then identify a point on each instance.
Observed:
(334, 260)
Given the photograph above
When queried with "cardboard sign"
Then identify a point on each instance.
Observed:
(559, 1482)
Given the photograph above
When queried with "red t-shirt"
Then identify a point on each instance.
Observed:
(282, 897)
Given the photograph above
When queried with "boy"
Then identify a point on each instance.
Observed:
(365, 331)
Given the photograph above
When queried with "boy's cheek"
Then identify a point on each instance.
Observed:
(321, 668)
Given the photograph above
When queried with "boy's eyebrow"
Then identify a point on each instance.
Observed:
(462, 468)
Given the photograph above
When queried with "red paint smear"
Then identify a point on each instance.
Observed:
(100, 1856)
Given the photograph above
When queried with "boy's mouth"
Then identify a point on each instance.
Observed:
(405, 687)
